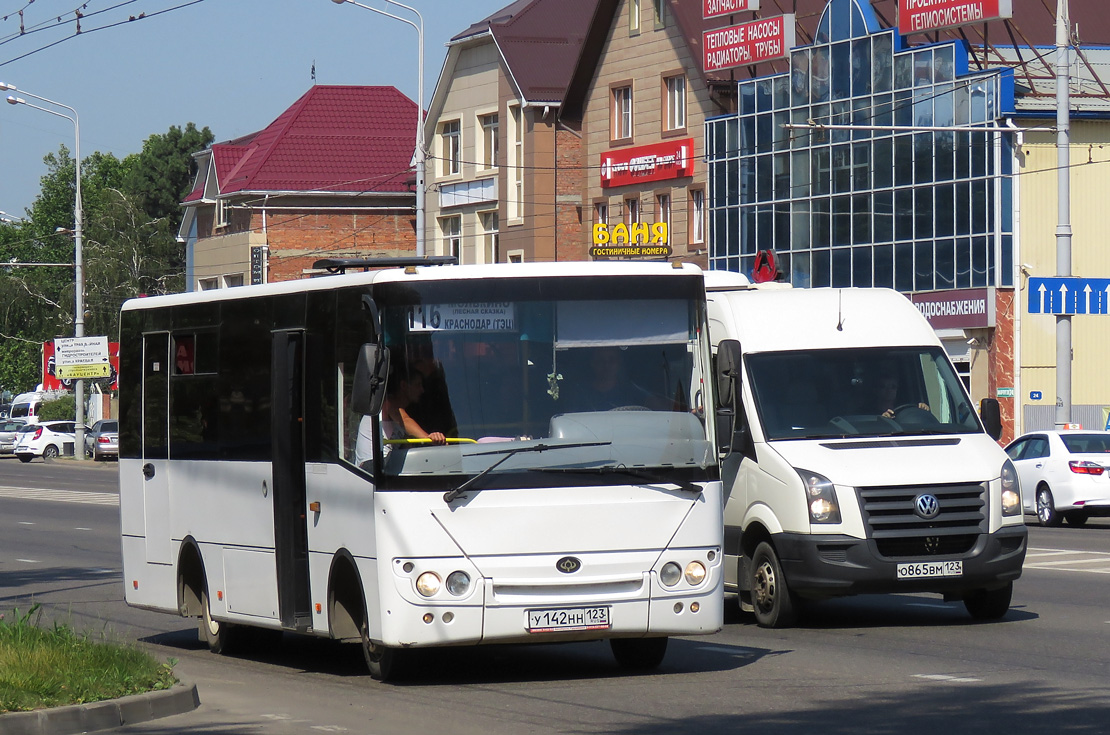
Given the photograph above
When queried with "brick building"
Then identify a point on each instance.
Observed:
(330, 177)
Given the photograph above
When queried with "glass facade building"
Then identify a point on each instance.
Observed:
(867, 164)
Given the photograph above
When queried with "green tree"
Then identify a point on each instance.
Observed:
(162, 174)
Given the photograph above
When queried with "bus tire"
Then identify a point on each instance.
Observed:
(639, 653)
(774, 603)
(384, 663)
(220, 637)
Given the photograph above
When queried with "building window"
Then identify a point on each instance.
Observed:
(631, 211)
(515, 203)
(491, 236)
(450, 147)
(634, 18)
(489, 126)
(622, 113)
(663, 211)
(516, 256)
(223, 213)
(208, 284)
(601, 213)
(659, 8)
(450, 229)
(697, 216)
(675, 103)
(233, 280)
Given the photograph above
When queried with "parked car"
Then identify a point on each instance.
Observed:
(47, 439)
(8, 430)
(1064, 475)
(102, 440)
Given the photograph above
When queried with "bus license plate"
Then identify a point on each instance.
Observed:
(926, 569)
(568, 618)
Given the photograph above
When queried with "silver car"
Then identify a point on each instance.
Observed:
(102, 440)
(8, 430)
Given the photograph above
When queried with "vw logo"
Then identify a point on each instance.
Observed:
(926, 506)
(568, 565)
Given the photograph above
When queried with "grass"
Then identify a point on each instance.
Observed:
(48, 667)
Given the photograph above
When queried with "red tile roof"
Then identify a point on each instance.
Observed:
(349, 139)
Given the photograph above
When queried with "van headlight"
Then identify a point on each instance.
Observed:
(1011, 490)
(820, 497)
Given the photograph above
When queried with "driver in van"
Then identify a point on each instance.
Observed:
(886, 395)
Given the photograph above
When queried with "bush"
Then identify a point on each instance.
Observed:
(62, 409)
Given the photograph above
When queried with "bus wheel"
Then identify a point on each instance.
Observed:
(773, 601)
(638, 653)
(989, 604)
(220, 637)
(385, 663)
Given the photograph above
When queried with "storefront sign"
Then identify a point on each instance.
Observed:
(748, 43)
(1004, 393)
(919, 16)
(639, 240)
(966, 308)
(670, 159)
(717, 8)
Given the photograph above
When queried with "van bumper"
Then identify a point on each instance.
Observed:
(834, 565)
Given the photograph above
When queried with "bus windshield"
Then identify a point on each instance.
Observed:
(859, 392)
(560, 384)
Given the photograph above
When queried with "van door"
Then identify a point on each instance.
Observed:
(290, 511)
(156, 442)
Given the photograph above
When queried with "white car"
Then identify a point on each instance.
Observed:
(48, 439)
(1063, 474)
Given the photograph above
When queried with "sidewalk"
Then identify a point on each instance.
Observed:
(79, 718)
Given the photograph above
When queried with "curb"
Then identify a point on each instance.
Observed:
(80, 718)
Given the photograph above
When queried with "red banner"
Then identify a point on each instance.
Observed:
(671, 159)
(919, 16)
(717, 8)
(748, 43)
(50, 382)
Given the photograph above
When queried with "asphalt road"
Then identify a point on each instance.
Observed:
(895, 664)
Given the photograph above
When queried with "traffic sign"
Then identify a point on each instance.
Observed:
(77, 358)
(1068, 295)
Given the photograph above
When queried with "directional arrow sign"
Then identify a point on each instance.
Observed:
(1069, 295)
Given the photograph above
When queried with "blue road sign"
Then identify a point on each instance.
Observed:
(1035, 395)
(1069, 295)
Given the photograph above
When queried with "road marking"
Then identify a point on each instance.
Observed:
(82, 528)
(28, 561)
(59, 496)
(946, 677)
(26, 523)
(1068, 560)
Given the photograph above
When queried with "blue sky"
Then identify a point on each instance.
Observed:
(231, 65)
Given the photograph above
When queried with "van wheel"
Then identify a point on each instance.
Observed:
(25, 457)
(1046, 507)
(50, 452)
(1077, 517)
(989, 604)
(774, 603)
(638, 653)
(220, 637)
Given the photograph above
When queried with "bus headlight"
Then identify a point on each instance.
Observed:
(1011, 491)
(695, 573)
(458, 583)
(670, 574)
(820, 497)
(428, 584)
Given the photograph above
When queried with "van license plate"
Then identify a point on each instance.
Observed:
(568, 618)
(926, 569)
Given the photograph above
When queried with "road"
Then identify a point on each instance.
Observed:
(895, 664)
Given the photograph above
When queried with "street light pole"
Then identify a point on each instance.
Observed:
(78, 249)
(419, 155)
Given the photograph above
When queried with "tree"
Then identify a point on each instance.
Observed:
(162, 174)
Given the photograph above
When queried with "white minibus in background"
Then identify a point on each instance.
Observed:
(561, 482)
(859, 464)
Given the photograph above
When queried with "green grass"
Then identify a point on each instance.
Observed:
(48, 667)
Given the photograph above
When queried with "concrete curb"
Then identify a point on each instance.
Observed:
(79, 718)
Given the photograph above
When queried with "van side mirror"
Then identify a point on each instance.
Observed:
(371, 371)
(726, 380)
(991, 414)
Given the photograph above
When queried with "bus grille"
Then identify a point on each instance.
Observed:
(899, 532)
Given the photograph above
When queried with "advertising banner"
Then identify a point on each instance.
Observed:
(964, 308)
(748, 43)
(919, 16)
(718, 8)
(671, 159)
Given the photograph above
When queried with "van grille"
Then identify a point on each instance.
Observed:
(899, 532)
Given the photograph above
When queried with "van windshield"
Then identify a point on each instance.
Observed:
(859, 392)
(21, 410)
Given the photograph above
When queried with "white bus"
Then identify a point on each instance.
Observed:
(259, 487)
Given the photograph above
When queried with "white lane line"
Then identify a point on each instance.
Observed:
(26, 523)
(82, 528)
(28, 561)
(60, 496)
(946, 677)
(1054, 564)
(1033, 550)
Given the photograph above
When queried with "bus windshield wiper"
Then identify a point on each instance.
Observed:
(612, 469)
(456, 492)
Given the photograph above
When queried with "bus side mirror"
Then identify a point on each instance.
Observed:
(991, 415)
(371, 371)
(727, 383)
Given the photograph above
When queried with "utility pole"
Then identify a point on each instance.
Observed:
(1063, 203)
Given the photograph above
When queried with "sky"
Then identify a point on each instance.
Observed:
(230, 65)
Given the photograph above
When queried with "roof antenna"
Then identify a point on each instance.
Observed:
(314, 71)
(840, 310)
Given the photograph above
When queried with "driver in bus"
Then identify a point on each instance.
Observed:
(405, 387)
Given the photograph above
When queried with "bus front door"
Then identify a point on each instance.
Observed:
(156, 475)
(290, 511)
